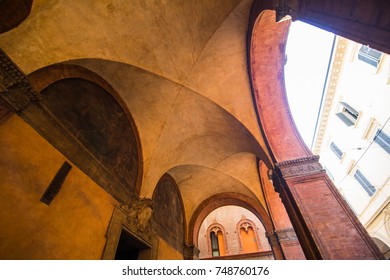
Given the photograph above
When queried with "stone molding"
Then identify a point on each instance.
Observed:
(136, 218)
(5, 110)
(339, 58)
(15, 88)
(139, 213)
(299, 166)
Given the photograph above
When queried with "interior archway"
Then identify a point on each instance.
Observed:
(242, 233)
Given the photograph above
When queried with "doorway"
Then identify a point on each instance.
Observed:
(130, 247)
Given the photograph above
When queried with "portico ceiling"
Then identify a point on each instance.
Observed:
(179, 66)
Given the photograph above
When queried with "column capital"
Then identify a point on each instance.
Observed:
(286, 234)
(190, 252)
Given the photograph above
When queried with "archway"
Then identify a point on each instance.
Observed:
(234, 199)
(299, 177)
(241, 235)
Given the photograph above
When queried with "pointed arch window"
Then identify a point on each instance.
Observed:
(249, 241)
(214, 244)
(217, 241)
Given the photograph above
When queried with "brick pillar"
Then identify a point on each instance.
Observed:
(324, 223)
(290, 244)
(284, 230)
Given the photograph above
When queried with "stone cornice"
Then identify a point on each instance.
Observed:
(331, 87)
(299, 166)
(15, 88)
(287, 234)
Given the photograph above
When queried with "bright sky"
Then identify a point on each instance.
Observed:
(308, 53)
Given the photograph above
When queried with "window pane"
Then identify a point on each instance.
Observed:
(214, 244)
(383, 140)
(350, 109)
(368, 187)
(369, 55)
(345, 119)
(336, 150)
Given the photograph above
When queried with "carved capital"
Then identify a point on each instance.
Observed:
(135, 219)
(15, 88)
(287, 234)
(299, 167)
(190, 252)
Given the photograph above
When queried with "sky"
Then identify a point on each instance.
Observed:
(308, 53)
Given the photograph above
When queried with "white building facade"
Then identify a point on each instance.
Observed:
(353, 134)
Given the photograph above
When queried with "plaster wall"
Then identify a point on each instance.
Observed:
(167, 252)
(73, 226)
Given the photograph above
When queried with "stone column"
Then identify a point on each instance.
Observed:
(324, 223)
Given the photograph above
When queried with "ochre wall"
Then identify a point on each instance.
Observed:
(167, 252)
(75, 223)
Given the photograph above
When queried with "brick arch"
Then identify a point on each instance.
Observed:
(224, 199)
(306, 191)
(266, 46)
(43, 78)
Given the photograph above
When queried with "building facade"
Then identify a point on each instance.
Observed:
(233, 232)
(353, 134)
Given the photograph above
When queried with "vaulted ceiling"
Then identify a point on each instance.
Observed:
(180, 67)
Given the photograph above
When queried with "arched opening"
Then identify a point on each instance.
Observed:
(233, 232)
(295, 164)
(217, 240)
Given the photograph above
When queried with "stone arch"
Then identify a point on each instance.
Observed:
(269, 92)
(116, 166)
(168, 213)
(223, 199)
